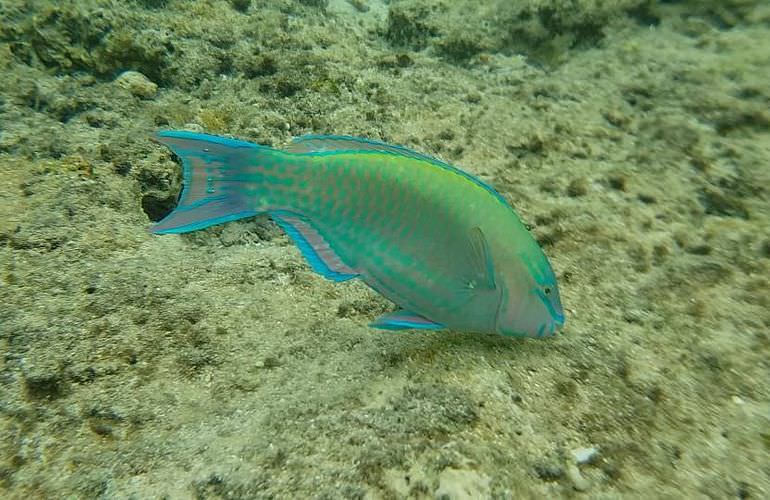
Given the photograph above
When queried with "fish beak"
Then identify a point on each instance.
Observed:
(556, 325)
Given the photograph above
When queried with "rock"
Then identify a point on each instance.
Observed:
(585, 455)
(138, 84)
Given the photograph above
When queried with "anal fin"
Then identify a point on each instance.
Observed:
(314, 246)
(404, 320)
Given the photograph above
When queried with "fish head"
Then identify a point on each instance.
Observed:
(530, 304)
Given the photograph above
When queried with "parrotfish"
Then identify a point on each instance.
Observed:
(441, 244)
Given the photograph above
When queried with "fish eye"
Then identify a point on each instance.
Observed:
(547, 290)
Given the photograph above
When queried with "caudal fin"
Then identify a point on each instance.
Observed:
(216, 173)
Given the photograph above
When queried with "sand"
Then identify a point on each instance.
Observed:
(633, 137)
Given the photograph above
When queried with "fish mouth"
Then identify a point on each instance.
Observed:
(556, 313)
(558, 322)
(556, 325)
(549, 328)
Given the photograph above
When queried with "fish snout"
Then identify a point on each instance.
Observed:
(556, 325)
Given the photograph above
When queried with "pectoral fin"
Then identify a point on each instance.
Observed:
(481, 269)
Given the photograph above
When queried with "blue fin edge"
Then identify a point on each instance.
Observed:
(205, 223)
(215, 139)
(399, 320)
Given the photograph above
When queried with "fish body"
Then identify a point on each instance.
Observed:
(442, 245)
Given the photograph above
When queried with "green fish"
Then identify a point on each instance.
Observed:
(438, 242)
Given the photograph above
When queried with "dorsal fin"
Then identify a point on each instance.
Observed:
(326, 144)
(337, 143)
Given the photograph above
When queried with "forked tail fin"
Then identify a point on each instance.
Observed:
(226, 179)
(217, 174)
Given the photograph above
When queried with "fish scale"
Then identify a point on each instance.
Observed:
(442, 245)
(388, 240)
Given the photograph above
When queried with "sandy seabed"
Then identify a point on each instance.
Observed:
(633, 137)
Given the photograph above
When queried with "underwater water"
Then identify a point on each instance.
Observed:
(632, 136)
